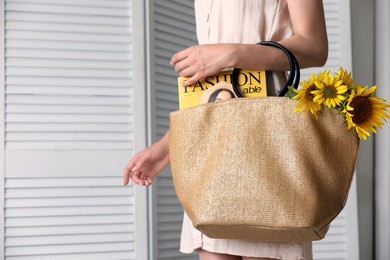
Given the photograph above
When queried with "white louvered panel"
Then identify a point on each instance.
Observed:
(68, 75)
(174, 30)
(77, 218)
(332, 15)
(170, 216)
(69, 123)
(335, 244)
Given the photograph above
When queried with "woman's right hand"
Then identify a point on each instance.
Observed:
(144, 166)
(199, 61)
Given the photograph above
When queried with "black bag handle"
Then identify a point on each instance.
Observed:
(293, 78)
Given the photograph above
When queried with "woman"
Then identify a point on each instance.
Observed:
(220, 91)
(227, 31)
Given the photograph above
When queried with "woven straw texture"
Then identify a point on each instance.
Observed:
(253, 169)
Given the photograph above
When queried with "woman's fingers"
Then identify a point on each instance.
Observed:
(127, 172)
(179, 56)
(140, 178)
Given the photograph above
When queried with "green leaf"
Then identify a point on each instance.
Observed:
(291, 93)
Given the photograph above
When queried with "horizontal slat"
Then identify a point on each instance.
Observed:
(67, 220)
(66, 9)
(65, 27)
(165, 182)
(174, 15)
(66, 240)
(36, 182)
(168, 30)
(114, 146)
(68, 127)
(68, 109)
(60, 45)
(64, 137)
(171, 209)
(170, 254)
(169, 218)
(69, 211)
(66, 249)
(41, 164)
(58, 81)
(167, 192)
(67, 100)
(328, 247)
(123, 255)
(61, 54)
(183, 10)
(168, 98)
(170, 227)
(167, 201)
(333, 255)
(63, 18)
(62, 118)
(81, 64)
(67, 230)
(169, 244)
(66, 202)
(63, 90)
(97, 3)
(68, 192)
(75, 73)
(61, 36)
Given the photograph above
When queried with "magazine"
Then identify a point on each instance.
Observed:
(251, 83)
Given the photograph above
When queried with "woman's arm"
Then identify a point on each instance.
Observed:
(310, 41)
(309, 44)
(144, 166)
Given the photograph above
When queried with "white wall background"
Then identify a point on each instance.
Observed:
(363, 34)
(382, 149)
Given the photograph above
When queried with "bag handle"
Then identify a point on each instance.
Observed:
(293, 78)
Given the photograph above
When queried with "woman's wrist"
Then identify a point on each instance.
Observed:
(163, 147)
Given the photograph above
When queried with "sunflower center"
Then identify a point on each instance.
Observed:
(330, 92)
(308, 95)
(361, 109)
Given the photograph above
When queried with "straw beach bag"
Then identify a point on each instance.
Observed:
(251, 169)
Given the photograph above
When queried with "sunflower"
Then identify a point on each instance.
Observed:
(305, 96)
(365, 112)
(345, 76)
(330, 91)
(358, 105)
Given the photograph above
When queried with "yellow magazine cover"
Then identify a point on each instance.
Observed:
(252, 84)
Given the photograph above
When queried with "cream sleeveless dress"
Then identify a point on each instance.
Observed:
(242, 21)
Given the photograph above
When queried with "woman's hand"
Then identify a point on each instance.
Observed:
(146, 164)
(198, 62)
